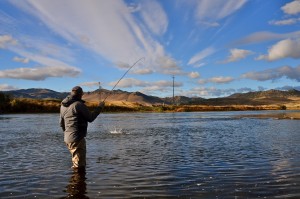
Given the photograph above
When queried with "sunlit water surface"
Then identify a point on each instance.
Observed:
(153, 155)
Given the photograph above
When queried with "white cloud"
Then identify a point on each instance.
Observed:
(283, 49)
(274, 74)
(292, 7)
(90, 84)
(164, 83)
(39, 73)
(154, 16)
(129, 83)
(168, 65)
(237, 54)
(221, 80)
(285, 22)
(202, 81)
(216, 80)
(194, 75)
(144, 71)
(208, 92)
(201, 55)
(6, 40)
(6, 87)
(21, 59)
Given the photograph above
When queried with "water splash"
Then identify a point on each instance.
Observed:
(116, 131)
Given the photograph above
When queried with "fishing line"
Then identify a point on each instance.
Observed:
(123, 77)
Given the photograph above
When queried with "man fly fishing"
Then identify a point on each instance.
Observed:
(74, 118)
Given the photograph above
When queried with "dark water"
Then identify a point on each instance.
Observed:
(170, 155)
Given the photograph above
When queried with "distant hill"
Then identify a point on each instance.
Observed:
(119, 97)
(267, 94)
(37, 93)
(122, 96)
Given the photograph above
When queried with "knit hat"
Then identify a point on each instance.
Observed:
(77, 90)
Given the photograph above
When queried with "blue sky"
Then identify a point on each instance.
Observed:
(213, 48)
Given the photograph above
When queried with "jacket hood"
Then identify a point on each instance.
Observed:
(70, 100)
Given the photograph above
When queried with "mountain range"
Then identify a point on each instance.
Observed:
(119, 97)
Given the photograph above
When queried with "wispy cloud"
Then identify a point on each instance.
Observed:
(285, 22)
(48, 67)
(6, 40)
(212, 11)
(21, 59)
(265, 36)
(283, 49)
(154, 17)
(108, 28)
(197, 59)
(274, 74)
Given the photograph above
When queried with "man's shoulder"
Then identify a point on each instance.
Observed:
(79, 104)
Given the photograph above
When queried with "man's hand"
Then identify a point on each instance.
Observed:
(101, 104)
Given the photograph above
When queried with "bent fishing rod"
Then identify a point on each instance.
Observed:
(110, 92)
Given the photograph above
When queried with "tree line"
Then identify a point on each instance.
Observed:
(9, 104)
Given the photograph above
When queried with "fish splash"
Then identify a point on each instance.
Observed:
(116, 131)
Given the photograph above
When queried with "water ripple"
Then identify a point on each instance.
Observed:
(183, 155)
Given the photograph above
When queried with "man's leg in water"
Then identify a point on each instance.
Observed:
(78, 152)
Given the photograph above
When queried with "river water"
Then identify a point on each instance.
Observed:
(157, 155)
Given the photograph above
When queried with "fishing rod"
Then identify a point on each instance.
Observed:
(123, 77)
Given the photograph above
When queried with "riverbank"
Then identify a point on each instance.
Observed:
(53, 106)
(278, 116)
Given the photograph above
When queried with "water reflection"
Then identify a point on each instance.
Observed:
(77, 185)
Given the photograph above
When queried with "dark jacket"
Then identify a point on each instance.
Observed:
(74, 118)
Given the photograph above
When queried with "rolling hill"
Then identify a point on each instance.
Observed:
(118, 97)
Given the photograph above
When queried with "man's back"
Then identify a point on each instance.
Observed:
(74, 118)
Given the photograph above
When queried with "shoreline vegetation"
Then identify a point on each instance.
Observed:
(9, 104)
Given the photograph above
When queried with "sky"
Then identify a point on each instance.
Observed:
(212, 48)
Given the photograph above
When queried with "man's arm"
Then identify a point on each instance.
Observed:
(88, 115)
(62, 122)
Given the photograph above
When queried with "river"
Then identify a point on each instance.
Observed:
(155, 155)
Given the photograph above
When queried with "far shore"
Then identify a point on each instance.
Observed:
(291, 113)
(278, 116)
